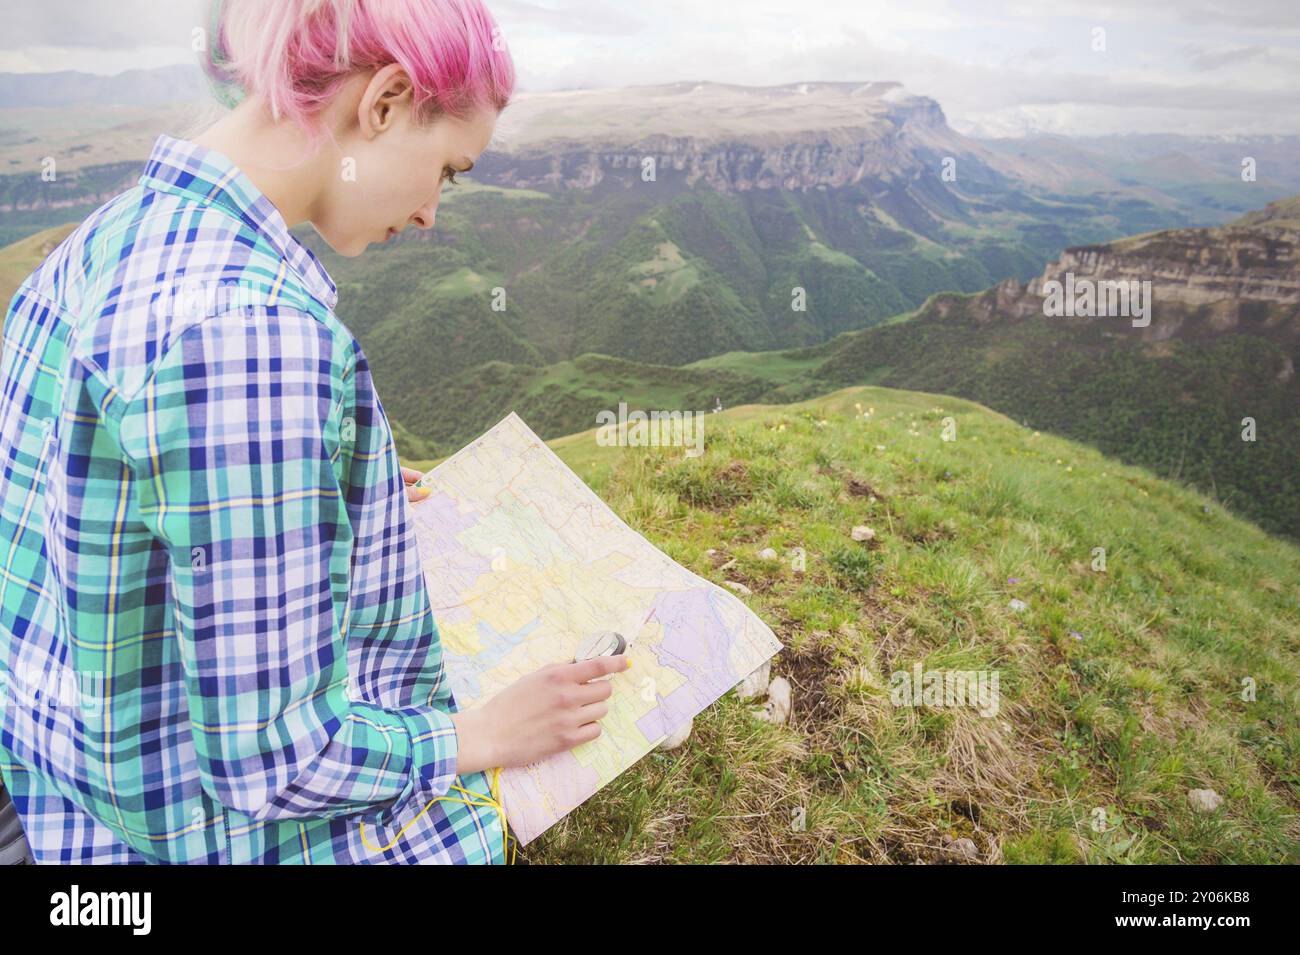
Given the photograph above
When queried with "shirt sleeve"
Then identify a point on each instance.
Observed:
(238, 441)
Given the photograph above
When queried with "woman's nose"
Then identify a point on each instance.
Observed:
(424, 216)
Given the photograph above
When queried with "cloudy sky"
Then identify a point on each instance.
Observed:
(1199, 67)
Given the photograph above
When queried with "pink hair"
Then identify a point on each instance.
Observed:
(296, 53)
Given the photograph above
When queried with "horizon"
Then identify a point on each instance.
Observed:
(998, 67)
(525, 93)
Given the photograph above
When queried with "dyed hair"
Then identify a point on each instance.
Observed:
(296, 53)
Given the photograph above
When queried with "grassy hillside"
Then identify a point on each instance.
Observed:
(1284, 213)
(1174, 406)
(19, 260)
(1120, 690)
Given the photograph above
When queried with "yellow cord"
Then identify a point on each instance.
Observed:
(477, 800)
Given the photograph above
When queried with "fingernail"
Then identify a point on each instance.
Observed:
(629, 664)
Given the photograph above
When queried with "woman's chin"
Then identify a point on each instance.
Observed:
(349, 246)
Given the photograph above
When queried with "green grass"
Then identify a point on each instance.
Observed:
(778, 367)
(1120, 690)
(19, 260)
(468, 188)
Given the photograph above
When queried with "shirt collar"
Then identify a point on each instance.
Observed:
(178, 166)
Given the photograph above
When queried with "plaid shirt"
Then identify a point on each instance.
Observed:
(215, 640)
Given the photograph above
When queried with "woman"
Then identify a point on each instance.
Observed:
(202, 522)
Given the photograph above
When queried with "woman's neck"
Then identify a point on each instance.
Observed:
(278, 158)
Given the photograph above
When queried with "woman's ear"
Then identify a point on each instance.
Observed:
(389, 91)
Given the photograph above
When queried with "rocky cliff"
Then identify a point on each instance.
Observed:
(731, 138)
(1203, 282)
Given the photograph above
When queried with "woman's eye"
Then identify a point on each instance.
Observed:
(449, 175)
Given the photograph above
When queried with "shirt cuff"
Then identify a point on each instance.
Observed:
(434, 747)
(432, 768)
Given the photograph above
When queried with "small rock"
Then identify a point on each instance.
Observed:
(737, 587)
(678, 736)
(964, 849)
(863, 533)
(1018, 605)
(780, 702)
(755, 685)
(1204, 800)
(767, 553)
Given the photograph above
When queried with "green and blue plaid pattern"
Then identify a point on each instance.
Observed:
(215, 640)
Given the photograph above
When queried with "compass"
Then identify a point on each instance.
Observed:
(607, 643)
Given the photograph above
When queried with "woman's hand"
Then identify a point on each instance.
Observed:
(549, 711)
(415, 492)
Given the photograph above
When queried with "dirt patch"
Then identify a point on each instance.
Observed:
(758, 585)
(808, 673)
(723, 490)
(966, 808)
(860, 488)
(735, 473)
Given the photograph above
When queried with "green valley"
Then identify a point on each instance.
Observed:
(1172, 397)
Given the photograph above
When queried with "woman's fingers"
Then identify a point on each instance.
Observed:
(592, 712)
(597, 667)
(585, 734)
(593, 692)
(414, 491)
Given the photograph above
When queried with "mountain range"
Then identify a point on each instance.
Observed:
(687, 244)
(1219, 347)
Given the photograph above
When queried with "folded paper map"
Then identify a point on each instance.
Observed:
(523, 562)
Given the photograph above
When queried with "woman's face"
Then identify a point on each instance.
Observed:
(393, 170)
